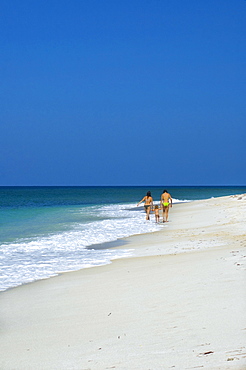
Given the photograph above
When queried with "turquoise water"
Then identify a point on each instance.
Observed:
(46, 230)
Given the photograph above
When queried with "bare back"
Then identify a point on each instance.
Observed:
(165, 197)
(148, 200)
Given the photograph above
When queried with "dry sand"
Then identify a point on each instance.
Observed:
(157, 310)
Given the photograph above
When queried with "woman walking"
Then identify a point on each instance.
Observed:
(166, 202)
(148, 203)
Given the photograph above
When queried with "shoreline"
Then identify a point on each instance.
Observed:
(120, 243)
(157, 309)
(144, 238)
(110, 245)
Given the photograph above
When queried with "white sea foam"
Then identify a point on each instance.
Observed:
(27, 260)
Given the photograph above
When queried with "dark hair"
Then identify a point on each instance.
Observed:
(148, 194)
(165, 191)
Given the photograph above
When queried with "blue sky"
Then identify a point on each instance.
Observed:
(133, 92)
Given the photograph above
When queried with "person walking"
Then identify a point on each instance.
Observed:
(148, 203)
(166, 202)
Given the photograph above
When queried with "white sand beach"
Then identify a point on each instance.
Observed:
(156, 310)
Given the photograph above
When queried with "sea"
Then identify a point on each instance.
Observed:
(45, 231)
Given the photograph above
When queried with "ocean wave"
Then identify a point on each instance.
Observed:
(28, 260)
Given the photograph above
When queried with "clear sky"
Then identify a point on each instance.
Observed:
(123, 92)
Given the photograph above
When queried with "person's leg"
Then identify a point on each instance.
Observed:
(166, 212)
(163, 213)
(147, 213)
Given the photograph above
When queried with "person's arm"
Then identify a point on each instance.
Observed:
(141, 201)
(171, 201)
